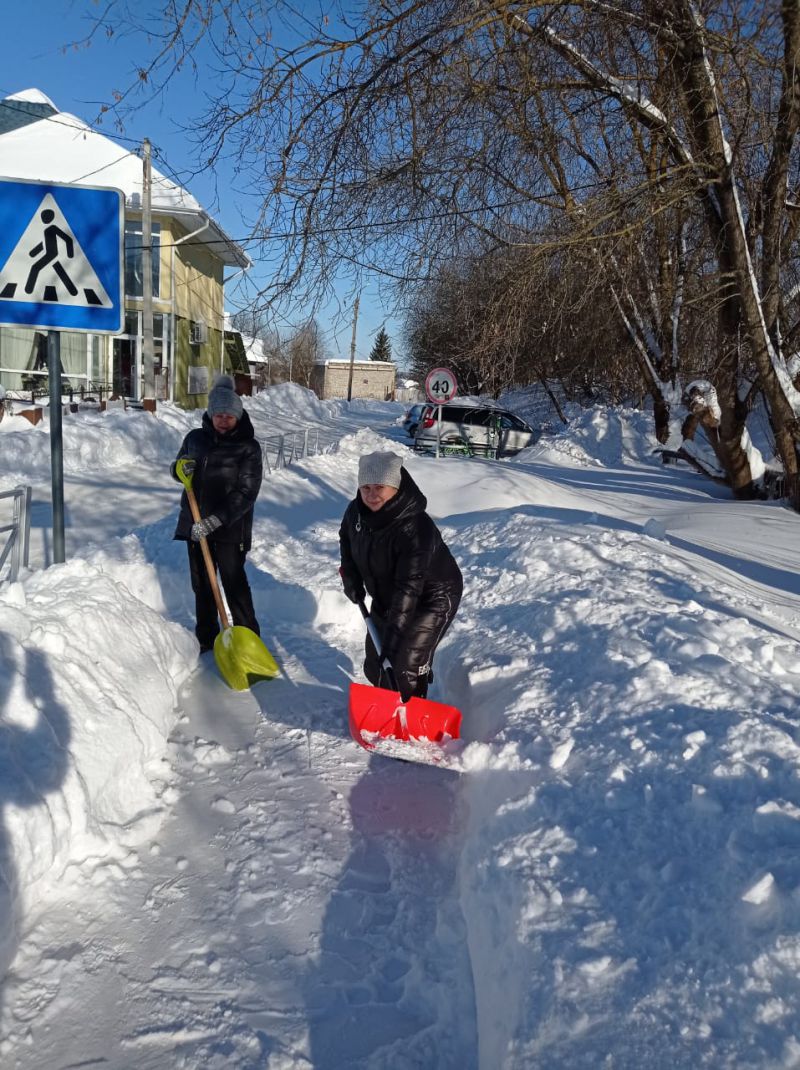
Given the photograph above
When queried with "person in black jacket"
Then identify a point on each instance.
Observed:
(226, 479)
(392, 549)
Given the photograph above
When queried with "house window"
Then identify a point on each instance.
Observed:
(133, 259)
(23, 357)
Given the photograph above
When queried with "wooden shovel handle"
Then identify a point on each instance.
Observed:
(212, 572)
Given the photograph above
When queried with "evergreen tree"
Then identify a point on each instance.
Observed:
(382, 350)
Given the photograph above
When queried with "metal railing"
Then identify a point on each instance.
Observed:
(17, 544)
(279, 451)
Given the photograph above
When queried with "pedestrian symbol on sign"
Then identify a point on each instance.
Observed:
(60, 273)
(50, 246)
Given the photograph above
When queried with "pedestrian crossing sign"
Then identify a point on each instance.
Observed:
(61, 256)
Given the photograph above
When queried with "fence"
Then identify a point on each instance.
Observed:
(18, 532)
(280, 450)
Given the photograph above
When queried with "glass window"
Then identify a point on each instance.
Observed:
(74, 354)
(133, 258)
(23, 357)
(467, 416)
(509, 420)
(96, 373)
(480, 417)
(456, 413)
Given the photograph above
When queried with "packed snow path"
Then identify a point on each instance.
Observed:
(297, 908)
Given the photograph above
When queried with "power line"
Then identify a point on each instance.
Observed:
(345, 228)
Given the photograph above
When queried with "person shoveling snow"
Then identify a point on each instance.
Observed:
(392, 549)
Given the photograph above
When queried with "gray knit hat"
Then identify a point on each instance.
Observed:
(223, 398)
(383, 468)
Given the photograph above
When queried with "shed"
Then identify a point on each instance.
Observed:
(373, 379)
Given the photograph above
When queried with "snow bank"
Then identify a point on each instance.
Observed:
(604, 437)
(88, 690)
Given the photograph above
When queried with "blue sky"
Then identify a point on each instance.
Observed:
(42, 52)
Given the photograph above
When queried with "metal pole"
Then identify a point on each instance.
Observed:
(25, 524)
(148, 358)
(56, 444)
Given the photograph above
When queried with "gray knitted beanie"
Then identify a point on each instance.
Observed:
(383, 468)
(223, 398)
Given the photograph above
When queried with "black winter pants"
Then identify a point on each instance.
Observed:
(413, 661)
(229, 560)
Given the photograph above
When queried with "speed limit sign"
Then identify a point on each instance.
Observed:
(440, 385)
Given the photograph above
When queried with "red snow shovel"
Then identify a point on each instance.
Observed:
(378, 713)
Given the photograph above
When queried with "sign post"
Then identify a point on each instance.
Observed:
(61, 250)
(440, 386)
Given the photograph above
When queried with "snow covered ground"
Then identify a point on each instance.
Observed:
(199, 878)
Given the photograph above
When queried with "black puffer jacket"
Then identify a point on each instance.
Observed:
(401, 558)
(226, 481)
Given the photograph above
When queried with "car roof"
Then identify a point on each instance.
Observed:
(468, 408)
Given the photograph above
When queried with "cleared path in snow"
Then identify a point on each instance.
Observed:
(299, 906)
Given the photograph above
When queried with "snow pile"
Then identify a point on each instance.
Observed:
(80, 747)
(605, 437)
(92, 442)
(618, 884)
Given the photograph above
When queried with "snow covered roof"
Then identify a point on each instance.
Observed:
(254, 350)
(364, 363)
(53, 146)
(253, 347)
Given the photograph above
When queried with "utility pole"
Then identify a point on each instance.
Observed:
(148, 353)
(353, 349)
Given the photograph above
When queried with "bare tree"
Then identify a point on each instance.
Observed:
(302, 350)
(430, 130)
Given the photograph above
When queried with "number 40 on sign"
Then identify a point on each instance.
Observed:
(440, 385)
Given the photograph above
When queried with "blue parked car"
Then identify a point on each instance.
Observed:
(411, 419)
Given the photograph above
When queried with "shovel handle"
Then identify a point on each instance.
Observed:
(186, 479)
(376, 642)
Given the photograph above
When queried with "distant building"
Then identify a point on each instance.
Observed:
(191, 253)
(373, 379)
(247, 359)
(408, 390)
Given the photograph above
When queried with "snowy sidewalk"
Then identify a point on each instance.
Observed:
(300, 903)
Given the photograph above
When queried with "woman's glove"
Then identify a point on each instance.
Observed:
(203, 528)
(353, 588)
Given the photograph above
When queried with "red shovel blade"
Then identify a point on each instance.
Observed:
(376, 710)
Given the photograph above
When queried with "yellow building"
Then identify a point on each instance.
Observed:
(191, 255)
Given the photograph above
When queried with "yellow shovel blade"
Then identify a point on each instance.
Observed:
(242, 658)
